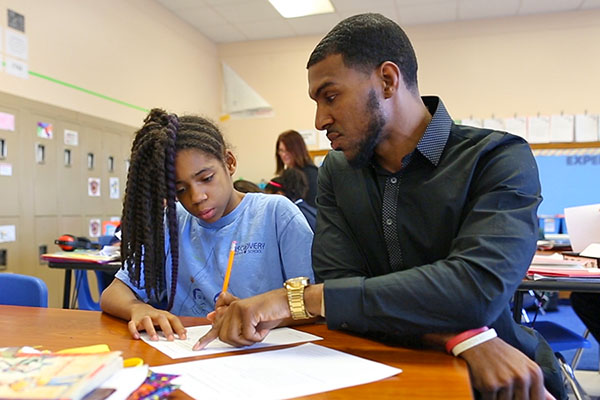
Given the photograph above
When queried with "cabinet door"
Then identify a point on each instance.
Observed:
(69, 167)
(10, 163)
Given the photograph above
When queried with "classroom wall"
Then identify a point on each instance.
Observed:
(134, 51)
(526, 65)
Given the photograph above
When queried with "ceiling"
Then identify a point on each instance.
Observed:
(225, 21)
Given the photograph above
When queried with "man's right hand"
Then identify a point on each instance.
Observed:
(146, 318)
(500, 371)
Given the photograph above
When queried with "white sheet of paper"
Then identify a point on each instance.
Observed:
(516, 126)
(494, 123)
(183, 348)
(562, 128)
(538, 129)
(583, 225)
(277, 374)
(586, 128)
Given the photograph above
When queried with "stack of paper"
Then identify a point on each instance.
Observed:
(555, 266)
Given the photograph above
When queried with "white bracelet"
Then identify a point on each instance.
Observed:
(474, 341)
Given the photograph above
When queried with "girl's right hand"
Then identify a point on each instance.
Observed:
(145, 318)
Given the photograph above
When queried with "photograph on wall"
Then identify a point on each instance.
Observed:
(7, 121)
(95, 227)
(44, 130)
(16, 20)
(94, 187)
(114, 187)
(71, 138)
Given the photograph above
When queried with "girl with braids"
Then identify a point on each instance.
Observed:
(180, 216)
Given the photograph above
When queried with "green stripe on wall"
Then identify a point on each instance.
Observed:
(84, 90)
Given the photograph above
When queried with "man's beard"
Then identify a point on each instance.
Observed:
(366, 147)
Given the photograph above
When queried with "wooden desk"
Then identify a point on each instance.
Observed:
(426, 374)
(68, 266)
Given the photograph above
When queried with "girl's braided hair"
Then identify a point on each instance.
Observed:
(150, 195)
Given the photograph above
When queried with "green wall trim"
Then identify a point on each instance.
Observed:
(84, 90)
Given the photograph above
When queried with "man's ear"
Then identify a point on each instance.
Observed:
(390, 76)
(230, 162)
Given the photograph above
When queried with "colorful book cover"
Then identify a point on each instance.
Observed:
(54, 376)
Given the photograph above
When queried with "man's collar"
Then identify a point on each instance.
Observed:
(436, 134)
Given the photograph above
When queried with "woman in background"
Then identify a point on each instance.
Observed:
(291, 152)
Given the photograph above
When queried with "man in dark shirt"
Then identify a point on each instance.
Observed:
(424, 228)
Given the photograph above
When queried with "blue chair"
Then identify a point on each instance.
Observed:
(560, 338)
(22, 290)
(83, 293)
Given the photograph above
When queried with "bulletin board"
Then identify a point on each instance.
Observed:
(569, 177)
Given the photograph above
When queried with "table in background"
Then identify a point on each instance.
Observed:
(68, 266)
(548, 285)
(427, 374)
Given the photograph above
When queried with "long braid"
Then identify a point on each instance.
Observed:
(151, 194)
(142, 247)
(172, 129)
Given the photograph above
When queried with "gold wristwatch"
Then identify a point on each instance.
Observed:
(295, 294)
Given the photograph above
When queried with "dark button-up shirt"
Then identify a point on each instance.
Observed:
(439, 246)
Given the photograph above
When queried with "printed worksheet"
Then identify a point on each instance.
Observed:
(183, 348)
(275, 374)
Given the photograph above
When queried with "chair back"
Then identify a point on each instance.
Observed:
(84, 295)
(22, 290)
(559, 337)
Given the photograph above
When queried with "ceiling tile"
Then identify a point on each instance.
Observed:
(546, 6)
(345, 5)
(266, 29)
(181, 4)
(201, 16)
(427, 13)
(314, 24)
(388, 9)
(588, 4)
(249, 11)
(223, 33)
(238, 20)
(473, 9)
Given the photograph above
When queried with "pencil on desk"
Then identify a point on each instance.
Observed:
(229, 265)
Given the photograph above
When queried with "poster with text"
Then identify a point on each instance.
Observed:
(71, 138)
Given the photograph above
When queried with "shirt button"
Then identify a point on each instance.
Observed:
(389, 221)
(344, 325)
(393, 180)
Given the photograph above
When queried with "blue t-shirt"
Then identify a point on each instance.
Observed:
(273, 244)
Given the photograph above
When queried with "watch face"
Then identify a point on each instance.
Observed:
(297, 282)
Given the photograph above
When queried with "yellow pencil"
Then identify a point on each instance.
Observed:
(229, 265)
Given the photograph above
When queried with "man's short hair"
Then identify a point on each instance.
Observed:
(365, 41)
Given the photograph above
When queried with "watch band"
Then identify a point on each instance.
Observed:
(295, 294)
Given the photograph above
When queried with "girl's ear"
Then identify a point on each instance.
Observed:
(230, 162)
